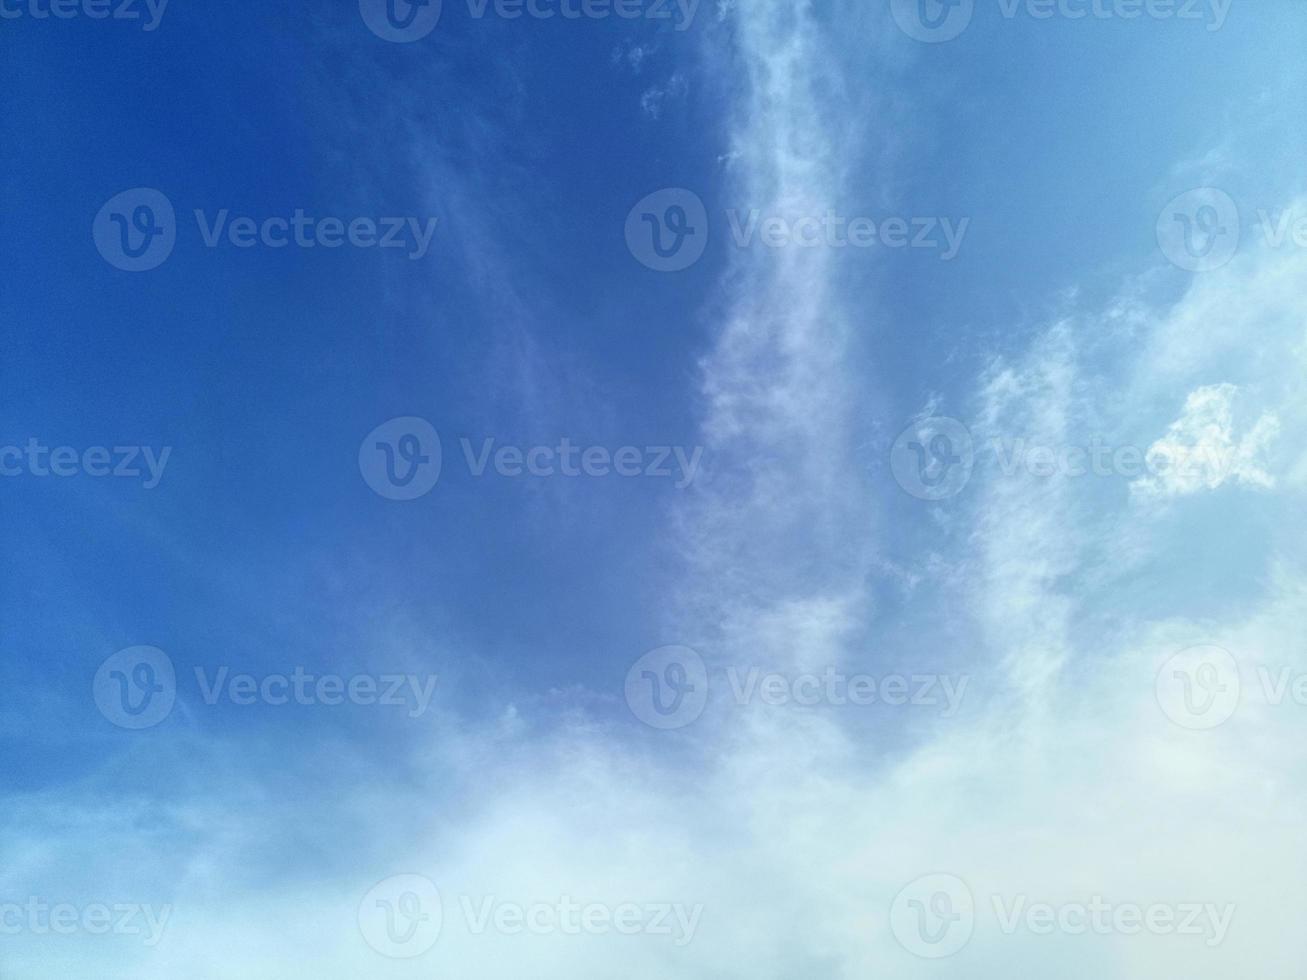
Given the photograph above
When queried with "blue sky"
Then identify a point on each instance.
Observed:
(799, 543)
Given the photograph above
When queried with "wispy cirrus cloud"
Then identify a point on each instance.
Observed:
(792, 829)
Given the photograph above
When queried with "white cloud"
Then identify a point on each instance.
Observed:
(1200, 450)
(794, 829)
(656, 97)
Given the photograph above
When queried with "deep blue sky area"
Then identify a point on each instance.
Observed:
(527, 141)
(263, 369)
